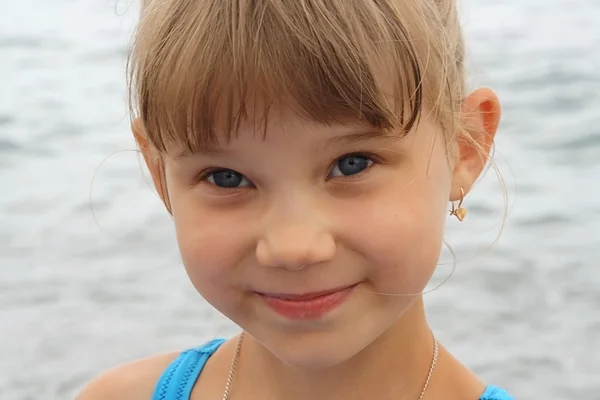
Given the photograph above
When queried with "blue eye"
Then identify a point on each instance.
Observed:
(350, 165)
(228, 179)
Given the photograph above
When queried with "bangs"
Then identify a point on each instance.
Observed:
(199, 69)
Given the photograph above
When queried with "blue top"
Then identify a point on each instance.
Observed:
(178, 380)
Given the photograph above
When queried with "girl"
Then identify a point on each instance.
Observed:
(309, 152)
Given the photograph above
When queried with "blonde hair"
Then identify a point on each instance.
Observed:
(198, 68)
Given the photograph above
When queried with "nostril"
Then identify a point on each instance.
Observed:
(295, 254)
(290, 258)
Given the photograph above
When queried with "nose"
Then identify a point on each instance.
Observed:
(295, 246)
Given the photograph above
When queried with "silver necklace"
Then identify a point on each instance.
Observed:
(236, 356)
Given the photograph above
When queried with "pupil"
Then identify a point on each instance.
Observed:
(227, 178)
(352, 164)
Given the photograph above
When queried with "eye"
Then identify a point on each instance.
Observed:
(228, 179)
(351, 164)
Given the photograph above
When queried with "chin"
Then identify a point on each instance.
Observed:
(313, 351)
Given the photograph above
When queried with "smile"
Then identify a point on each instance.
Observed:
(308, 306)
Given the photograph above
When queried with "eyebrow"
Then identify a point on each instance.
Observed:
(343, 139)
(359, 137)
(206, 149)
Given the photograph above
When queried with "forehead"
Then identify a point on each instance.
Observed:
(285, 129)
(286, 132)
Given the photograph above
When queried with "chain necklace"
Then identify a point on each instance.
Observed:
(236, 356)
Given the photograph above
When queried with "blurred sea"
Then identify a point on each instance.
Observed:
(78, 295)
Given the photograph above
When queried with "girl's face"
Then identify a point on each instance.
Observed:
(309, 209)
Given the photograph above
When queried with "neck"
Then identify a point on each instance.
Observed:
(395, 365)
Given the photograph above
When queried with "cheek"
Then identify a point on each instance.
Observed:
(400, 236)
(212, 244)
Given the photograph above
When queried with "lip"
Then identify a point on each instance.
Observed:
(306, 306)
(306, 296)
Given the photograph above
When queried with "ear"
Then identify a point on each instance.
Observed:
(152, 160)
(480, 116)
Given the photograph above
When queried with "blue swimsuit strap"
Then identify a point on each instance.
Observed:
(495, 393)
(178, 380)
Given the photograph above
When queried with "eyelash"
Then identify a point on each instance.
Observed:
(202, 176)
(371, 157)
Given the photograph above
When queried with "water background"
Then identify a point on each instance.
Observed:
(78, 296)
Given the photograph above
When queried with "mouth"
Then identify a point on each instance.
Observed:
(304, 306)
(305, 296)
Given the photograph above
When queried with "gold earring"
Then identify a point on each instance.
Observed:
(459, 212)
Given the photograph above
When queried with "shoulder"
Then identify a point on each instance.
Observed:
(131, 381)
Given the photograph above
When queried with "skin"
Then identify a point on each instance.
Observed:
(298, 224)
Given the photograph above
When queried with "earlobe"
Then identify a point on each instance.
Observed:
(480, 117)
